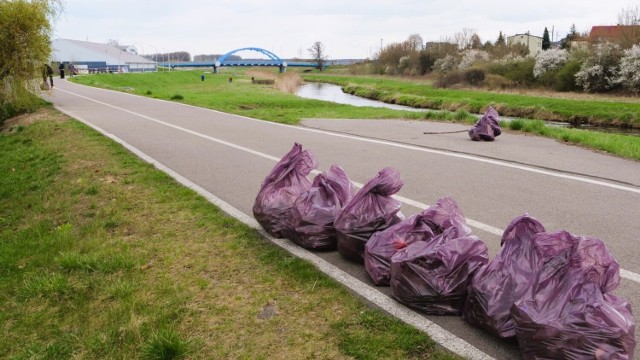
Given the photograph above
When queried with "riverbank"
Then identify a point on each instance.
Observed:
(609, 112)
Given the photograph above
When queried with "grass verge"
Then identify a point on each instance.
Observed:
(242, 97)
(102, 257)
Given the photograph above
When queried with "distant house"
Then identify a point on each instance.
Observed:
(531, 42)
(625, 35)
(99, 57)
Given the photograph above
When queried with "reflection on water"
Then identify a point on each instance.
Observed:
(334, 93)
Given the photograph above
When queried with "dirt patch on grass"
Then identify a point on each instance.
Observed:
(44, 114)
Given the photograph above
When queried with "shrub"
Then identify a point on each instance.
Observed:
(474, 76)
(445, 64)
(448, 79)
(177, 97)
(629, 73)
(520, 71)
(549, 60)
(565, 79)
(496, 82)
(471, 57)
(599, 71)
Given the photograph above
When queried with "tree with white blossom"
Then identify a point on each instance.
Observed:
(471, 57)
(549, 60)
(629, 73)
(599, 72)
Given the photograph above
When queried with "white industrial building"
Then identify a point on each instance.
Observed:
(99, 57)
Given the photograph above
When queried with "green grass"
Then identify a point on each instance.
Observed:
(104, 257)
(241, 97)
(621, 145)
(422, 94)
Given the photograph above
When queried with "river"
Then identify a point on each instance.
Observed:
(334, 93)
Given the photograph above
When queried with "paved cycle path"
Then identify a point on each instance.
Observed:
(228, 156)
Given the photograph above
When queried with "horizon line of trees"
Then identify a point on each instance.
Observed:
(464, 60)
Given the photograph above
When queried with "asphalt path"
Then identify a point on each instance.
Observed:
(565, 187)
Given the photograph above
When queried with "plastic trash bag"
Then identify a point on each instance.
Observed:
(487, 127)
(372, 209)
(506, 279)
(420, 227)
(572, 316)
(432, 276)
(315, 210)
(286, 181)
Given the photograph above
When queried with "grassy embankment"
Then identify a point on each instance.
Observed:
(265, 102)
(244, 98)
(620, 112)
(102, 256)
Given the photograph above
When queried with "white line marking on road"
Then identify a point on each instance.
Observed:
(478, 225)
(435, 331)
(390, 143)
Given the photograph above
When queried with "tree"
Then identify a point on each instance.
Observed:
(599, 71)
(500, 41)
(629, 73)
(476, 42)
(571, 36)
(546, 42)
(415, 42)
(463, 38)
(318, 54)
(25, 46)
(629, 21)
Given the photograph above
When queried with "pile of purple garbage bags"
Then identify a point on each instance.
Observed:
(487, 127)
(552, 291)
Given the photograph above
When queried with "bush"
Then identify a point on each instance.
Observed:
(520, 71)
(549, 60)
(629, 74)
(474, 76)
(448, 79)
(497, 82)
(177, 97)
(599, 71)
(565, 77)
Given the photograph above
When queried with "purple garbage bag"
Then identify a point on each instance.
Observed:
(286, 181)
(571, 315)
(315, 210)
(505, 280)
(372, 209)
(420, 227)
(432, 276)
(487, 127)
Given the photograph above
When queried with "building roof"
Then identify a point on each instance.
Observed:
(524, 35)
(67, 50)
(612, 32)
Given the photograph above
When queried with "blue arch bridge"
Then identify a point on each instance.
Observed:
(274, 60)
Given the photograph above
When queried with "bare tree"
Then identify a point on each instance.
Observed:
(415, 42)
(463, 38)
(113, 42)
(318, 54)
(476, 42)
(629, 22)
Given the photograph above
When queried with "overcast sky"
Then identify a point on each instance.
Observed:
(348, 28)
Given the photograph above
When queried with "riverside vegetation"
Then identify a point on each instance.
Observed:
(264, 102)
(108, 258)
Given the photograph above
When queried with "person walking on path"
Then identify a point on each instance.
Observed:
(61, 68)
(47, 72)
